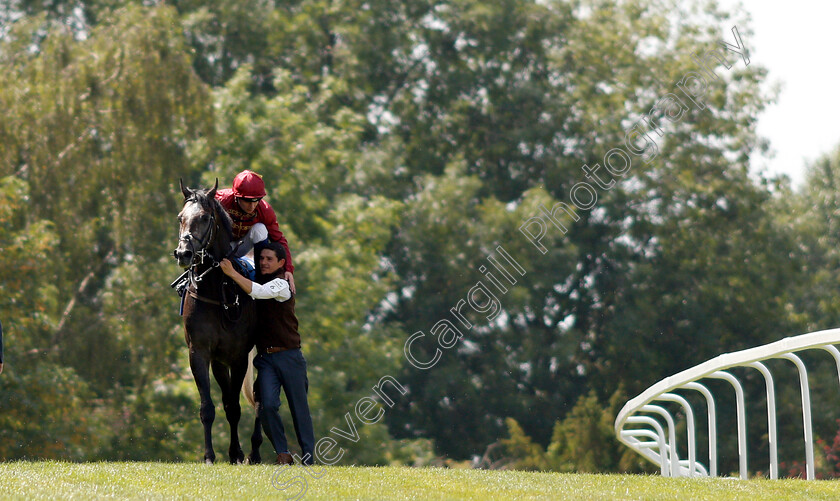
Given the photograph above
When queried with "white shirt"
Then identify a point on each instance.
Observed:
(276, 289)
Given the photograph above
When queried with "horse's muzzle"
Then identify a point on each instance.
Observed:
(184, 257)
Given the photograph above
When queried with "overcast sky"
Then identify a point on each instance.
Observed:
(796, 42)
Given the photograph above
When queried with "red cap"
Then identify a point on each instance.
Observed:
(248, 184)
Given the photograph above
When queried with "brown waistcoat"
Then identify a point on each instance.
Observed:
(277, 325)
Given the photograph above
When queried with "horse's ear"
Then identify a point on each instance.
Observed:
(186, 191)
(212, 193)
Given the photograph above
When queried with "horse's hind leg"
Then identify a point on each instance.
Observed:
(252, 392)
(231, 382)
(256, 437)
(200, 366)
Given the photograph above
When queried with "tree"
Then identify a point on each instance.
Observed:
(523, 95)
(97, 147)
(46, 409)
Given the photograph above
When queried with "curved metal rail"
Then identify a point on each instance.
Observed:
(637, 427)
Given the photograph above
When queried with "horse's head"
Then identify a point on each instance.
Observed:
(200, 221)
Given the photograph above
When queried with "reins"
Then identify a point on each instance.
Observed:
(235, 304)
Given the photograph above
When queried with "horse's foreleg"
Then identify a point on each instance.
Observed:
(231, 382)
(200, 367)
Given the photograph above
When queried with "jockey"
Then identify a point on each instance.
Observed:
(254, 221)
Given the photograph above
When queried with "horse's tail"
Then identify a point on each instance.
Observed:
(248, 383)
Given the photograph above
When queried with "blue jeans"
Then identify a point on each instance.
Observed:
(286, 370)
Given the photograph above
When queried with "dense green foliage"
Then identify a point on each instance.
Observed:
(402, 143)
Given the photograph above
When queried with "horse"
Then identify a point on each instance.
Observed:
(219, 318)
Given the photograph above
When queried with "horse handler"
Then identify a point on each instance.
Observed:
(280, 363)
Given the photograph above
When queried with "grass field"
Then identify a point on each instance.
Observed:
(56, 480)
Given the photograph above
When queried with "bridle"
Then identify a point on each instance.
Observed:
(192, 276)
(203, 251)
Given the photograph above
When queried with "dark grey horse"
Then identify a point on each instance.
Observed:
(218, 317)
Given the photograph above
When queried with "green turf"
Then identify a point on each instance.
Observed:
(56, 480)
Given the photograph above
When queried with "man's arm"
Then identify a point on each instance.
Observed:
(227, 268)
(276, 289)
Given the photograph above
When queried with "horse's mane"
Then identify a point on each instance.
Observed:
(211, 204)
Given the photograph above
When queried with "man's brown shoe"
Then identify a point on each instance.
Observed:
(285, 458)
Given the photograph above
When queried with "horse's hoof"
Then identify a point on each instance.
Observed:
(208, 461)
(237, 458)
(253, 460)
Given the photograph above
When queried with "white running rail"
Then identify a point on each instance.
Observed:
(637, 427)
